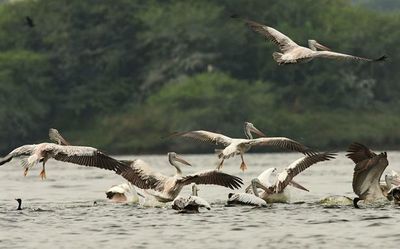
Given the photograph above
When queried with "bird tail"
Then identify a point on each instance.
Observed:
(277, 57)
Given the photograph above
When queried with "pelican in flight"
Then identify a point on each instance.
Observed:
(291, 53)
(87, 156)
(367, 172)
(123, 193)
(238, 146)
(273, 190)
(166, 188)
(190, 204)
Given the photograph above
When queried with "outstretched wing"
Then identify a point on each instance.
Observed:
(298, 166)
(92, 157)
(205, 136)
(213, 177)
(25, 150)
(284, 43)
(367, 174)
(282, 142)
(341, 56)
(359, 152)
(56, 137)
(141, 175)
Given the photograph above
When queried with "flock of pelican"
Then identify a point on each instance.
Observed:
(268, 187)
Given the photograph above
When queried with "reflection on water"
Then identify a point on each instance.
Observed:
(61, 212)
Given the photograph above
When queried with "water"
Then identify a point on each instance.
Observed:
(59, 212)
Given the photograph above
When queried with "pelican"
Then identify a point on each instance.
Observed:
(123, 193)
(395, 194)
(235, 146)
(19, 203)
(166, 188)
(273, 190)
(81, 155)
(291, 53)
(246, 198)
(190, 204)
(390, 179)
(367, 172)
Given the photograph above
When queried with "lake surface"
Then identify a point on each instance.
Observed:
(59, 211)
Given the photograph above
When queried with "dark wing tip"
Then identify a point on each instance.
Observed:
(174, 134)
(382, 58)
(235, 16)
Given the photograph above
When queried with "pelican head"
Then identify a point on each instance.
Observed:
(314, 45)
(173, 157)
(249, 128)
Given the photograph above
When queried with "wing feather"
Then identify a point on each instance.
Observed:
(341, 56)
(359, 152)
(299, 166)
(284, 43)
(282, 142)
(213, 177)
(205, 136)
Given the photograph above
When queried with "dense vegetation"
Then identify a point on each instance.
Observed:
(121, 75)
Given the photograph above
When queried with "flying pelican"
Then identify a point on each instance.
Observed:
(291, 53)
(123, 193)
(235, 146)
(81, 155)
(273, 190)
(367, 172)
(190, 204)
(167, 188)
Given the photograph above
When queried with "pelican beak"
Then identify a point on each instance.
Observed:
(257, 131)
(296, 185)
(181, 160)
(322, 47)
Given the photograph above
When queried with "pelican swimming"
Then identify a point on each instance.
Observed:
(272, 190)
(190, 204)
(246, 199)
(291, 53)
(390, 179)
(81, 155)
(394, 193)
(238, 146)
(367, 172)
(167, 188)
(123, 193)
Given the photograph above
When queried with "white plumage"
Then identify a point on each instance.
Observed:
(246, 199)
(238, 146)
(292, 53)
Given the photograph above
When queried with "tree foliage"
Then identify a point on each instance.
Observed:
(123, 74)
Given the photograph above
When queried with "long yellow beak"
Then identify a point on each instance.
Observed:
(258, 132)
(322, 47)
(181, 160)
